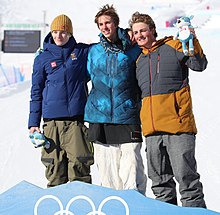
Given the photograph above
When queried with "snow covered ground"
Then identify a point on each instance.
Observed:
(19, 160)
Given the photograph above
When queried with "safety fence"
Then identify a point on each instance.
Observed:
(10, 75)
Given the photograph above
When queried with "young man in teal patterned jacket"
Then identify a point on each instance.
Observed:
(113, 106)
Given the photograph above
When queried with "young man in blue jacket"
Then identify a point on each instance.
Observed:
(58, 95)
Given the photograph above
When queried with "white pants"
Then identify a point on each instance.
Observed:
(121, 166)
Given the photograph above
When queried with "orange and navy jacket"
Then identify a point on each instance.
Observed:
(162, 73)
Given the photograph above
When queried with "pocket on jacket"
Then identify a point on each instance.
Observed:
(184, 101)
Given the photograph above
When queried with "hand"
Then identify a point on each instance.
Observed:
(33, 129)
(192, 30)
(130, 33)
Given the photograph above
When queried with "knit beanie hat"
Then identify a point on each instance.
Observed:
(62, 23)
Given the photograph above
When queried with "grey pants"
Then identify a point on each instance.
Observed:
(70, 154)
(170, 156)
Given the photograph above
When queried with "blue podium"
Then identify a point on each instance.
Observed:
(78, 198)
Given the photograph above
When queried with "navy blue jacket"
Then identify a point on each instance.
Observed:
(59, 81)
(114, 94)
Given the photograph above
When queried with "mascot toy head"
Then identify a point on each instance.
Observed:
(184, 21)
(184, 34)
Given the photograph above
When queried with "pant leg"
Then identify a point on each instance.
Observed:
(54, 158)
(78, 151)
(132, 168)
(107, 158)
(181, 149)
(160, 170)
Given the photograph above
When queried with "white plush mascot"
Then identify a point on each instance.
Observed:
(184, 34)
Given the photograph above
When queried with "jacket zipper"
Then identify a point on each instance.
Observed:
(151, 90)
(113, 69)
(109, 72)
(65, 79)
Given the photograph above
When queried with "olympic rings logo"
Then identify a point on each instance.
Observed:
(66, 211)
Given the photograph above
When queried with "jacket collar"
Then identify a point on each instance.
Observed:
(58, 50)
(113, 47)
(156, 45)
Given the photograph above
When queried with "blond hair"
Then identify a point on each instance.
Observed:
(145, 18)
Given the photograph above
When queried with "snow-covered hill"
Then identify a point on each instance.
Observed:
(19, 160)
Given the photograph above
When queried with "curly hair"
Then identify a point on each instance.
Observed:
(108, 10)
(145, 18)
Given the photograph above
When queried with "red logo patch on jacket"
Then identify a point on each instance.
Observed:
(53, 64)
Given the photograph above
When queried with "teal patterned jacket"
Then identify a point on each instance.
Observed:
(114, 97)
